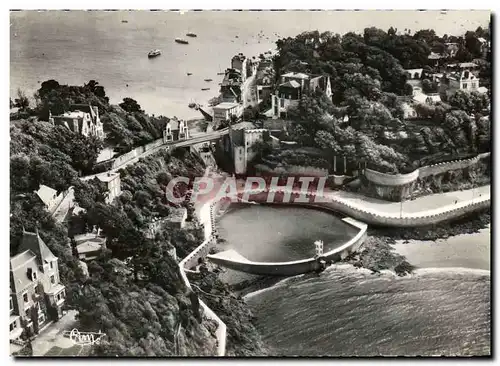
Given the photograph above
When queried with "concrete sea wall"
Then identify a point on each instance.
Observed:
(395, 187)
(293, 268)
(374, 216)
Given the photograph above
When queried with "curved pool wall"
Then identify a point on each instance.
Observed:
(207, 218)
(293, 268)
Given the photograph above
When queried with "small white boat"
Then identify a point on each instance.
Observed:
(154, 53)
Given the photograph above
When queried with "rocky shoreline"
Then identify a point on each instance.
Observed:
(377, 253)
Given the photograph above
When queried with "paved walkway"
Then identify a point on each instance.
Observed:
(196, 139)
(63, 208)
(52, 336)
(420, 204)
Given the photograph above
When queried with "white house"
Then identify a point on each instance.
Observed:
(81, 118)
(49, 197)
(113, 185)
(223, 111)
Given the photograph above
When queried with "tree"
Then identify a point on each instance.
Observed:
(472, 103)
(130, 105)
(22, 102)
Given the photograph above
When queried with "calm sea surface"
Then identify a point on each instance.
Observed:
(76, 46)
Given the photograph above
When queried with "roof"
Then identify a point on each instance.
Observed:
(482, 89)
(81, 107)
(46, 194)
(243, 125)
(108, 177)
(225, 105)
(434, 56)
(298, 75)
(177, 214)
(415, 83)
(19, 265)
(91, 237)
(32, 241)
(462, 65)
(482, 40)
(467, 64)
(414, 70)
(275, 124)
(422, 98)
(21, 258)
(55, 288)
(291, 84)
(89, 246)
(74, 114)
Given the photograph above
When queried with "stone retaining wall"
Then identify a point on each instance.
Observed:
(192, 260)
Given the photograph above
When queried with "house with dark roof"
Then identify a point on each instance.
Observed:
(36, 294)
(293, 86)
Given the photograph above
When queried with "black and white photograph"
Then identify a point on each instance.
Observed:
(247, 184)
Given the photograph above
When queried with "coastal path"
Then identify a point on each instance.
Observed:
(195, 139)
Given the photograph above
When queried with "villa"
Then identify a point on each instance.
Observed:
(82, 119)
(36, 294)
(49, 197)
(293, 86)
(113, 183)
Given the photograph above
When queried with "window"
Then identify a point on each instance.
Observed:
(41, 318)
(13, 326)
(53, 279)
(25, 297)
(51, 265)
(33, 276)
(282, 103)
(11, 304)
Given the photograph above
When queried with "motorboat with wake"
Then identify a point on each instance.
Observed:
(154, 53)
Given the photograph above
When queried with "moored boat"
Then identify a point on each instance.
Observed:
(154, 53)
(181, 41)
(208, 80)
(204, 89)
(189, 74)
(191, 35)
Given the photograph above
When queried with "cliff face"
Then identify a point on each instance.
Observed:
(242, 336)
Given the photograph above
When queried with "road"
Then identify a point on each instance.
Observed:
(62, 210)
(249, 92)
(195, 139)
(418, 205)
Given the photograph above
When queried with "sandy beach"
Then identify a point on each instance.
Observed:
(465, 251)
